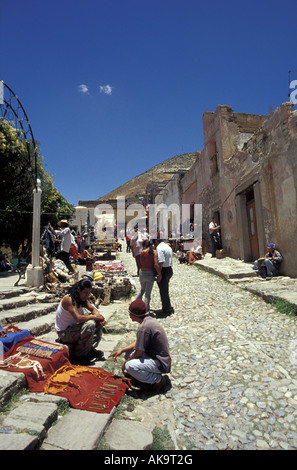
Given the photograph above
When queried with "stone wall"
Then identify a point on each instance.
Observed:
(244, 153)
(266, 163)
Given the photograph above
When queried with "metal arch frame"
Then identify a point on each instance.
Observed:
(5, 106)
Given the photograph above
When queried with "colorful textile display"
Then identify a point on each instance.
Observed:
(47, 369)
(28, 357)
(87, 388)
(11, 335)
(39, 348)
(110, 267)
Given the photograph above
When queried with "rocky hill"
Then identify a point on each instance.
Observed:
(151, 180)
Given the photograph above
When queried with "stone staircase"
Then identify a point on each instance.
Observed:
(28, 310)
(35, 421)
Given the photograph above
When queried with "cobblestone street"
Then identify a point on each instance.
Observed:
(234, 372)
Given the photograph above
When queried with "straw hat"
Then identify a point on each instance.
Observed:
(63, 222)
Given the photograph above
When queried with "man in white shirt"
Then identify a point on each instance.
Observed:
(65, 237)
(164, 252)
(214, 234)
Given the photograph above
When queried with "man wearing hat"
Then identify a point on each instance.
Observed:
(270, 262)
(148, 357)
(65, 237)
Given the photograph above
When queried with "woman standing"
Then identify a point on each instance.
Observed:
(148, 266)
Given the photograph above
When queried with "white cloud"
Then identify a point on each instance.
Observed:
(83, 88)
(106, 89)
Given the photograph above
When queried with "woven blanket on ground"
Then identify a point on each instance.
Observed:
(11, 335)
(38, 360)
(88, 388)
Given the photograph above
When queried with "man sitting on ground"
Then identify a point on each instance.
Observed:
(4, 263)
(81, 332)
(268, 266)
(148, 357)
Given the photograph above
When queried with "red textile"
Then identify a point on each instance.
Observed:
(88, 388)
(36, 380)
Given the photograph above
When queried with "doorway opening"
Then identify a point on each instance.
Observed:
(252, 223)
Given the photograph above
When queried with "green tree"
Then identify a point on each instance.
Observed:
(16, 194)
(16, 188)
(53, 205)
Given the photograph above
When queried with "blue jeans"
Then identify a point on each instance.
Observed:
(146, 279)
(270, 268)
(145, 369)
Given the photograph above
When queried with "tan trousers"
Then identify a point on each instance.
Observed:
(81, 337)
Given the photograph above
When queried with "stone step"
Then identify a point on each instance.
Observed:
(34, 414)
(78, 430)
(11, 440)
(236, 271)
(26, 313)
(6, 293)
(10, 383)
(32, 417)
(40, 325)
(16, 302)
(38, 414)
(125, 434)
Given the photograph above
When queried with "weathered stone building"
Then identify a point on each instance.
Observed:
(246, 175)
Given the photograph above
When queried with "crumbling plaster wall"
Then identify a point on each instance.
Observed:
(256, 151)
(269, 157)
(224, 132)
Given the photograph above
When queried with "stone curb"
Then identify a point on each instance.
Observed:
(77, 430)
(243, 275)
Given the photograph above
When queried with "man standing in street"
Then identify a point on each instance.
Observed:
(164, 253)
(215, 237)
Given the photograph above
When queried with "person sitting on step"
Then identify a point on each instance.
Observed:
(81, 332)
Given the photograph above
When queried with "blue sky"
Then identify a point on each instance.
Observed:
(114, 87)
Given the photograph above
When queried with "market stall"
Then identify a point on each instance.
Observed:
(113, 277)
